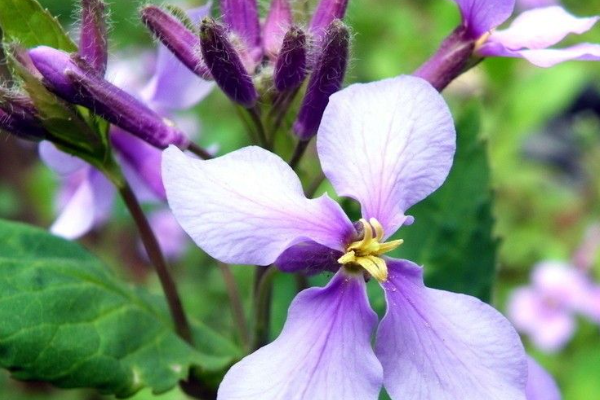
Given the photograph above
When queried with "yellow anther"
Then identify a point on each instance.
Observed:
(366, 251)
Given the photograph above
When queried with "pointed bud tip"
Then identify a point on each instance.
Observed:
(225, 64)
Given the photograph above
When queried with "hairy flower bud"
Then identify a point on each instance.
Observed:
(327, 11)
(241, 16)
(18, 117)
(278, 22)
(78, 83)
(93, 43)
(176, 37)
(225, 64)
(291, 68)
(325, 80)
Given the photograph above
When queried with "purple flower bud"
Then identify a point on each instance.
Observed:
(52, 64)
(176, 37)
(290, 68)
(241, 16)
(18, 117)
(93, 43)
(77, 82)
(225, 64)
(325, 80)
(276, 25)
(327, 11)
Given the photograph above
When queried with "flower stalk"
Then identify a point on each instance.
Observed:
(180, 320)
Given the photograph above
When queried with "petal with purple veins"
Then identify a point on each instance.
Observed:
(437, 345)
(248, 206)
(324, 351)
(481, 16)
(387, 144)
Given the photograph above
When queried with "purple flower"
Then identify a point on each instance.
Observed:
(85, 198)
(546, 310)
(530, 35)
(540, 384)
(387, 145)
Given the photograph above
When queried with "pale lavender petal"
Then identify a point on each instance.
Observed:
(248, 206)
(59, 161)
(481, 16)
(540, 384)
(172, 239)
(387, 144)
(437, 345)
(76, 217)
(89, 206)
(309, 258)
(323, 353)
(551, 57)
(142, 159)
(540, 28)
(104, 196)
(174, 86)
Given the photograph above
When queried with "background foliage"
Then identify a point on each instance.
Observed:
(541, 130)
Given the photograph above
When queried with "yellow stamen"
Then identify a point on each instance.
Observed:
(365, 252)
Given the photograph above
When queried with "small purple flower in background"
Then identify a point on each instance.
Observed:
(540, 384)
(86, 197)
(546, 310)
(529, 36)
(172, 239)
(388, 145)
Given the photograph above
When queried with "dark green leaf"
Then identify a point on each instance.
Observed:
(452, 234)
(26, 22)
(69, 321)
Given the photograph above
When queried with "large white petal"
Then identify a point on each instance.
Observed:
(248, 206)
(387, 144)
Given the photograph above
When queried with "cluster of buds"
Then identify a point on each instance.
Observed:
(77, 78)
(241, 57)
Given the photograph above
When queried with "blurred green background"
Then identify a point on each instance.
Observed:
(542, 128)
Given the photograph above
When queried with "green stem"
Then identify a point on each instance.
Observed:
(237, 307)
(260, 129)
(199, 151)
(298, 153)
(182, 325)
(262, 305)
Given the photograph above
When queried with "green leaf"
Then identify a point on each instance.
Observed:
(28, 23)
(452, 236)
(69, 321)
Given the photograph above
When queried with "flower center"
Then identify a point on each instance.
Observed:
(365, 252)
